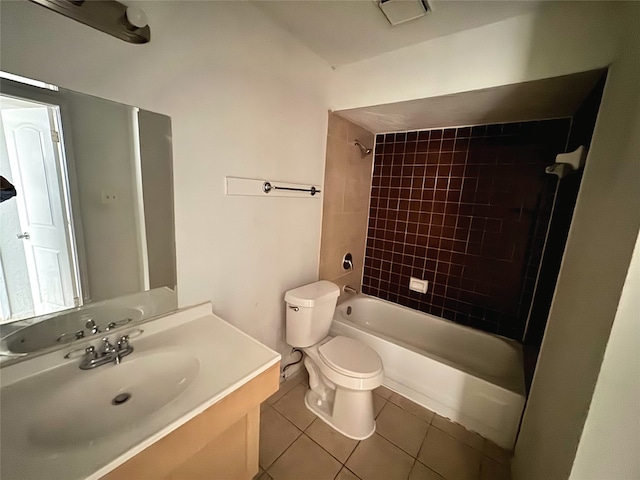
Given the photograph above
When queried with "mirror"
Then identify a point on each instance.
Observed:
(86, 217)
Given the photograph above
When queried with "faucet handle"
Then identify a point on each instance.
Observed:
(123, 342)
(90, 352)
(106, 346)
(119, 323)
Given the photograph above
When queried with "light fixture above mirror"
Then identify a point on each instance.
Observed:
(126, 23)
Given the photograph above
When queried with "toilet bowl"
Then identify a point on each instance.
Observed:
(342, 371)
(342, 374)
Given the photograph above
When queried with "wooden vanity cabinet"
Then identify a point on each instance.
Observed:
(222, 443)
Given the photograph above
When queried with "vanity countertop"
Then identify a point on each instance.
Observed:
(58, 421)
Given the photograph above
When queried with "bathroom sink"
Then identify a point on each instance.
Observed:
(18, 339)
(61, 329)
(59, 421)
(111, 398)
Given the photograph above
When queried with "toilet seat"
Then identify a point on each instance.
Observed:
(336, 374)
(350, 357)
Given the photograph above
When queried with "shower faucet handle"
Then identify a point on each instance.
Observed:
(347, 262)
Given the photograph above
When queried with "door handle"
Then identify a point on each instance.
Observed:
(24, 236)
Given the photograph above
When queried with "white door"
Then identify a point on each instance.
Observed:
(34, 160)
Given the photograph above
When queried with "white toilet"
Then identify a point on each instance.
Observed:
(342, 371)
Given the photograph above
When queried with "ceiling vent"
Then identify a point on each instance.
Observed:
(401, 11)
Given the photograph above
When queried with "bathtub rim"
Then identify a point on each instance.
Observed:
(351, 297)
(516, 385)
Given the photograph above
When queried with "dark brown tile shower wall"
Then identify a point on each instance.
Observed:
(459, 208)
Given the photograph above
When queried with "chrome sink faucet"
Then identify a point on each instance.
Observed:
(109, 353)
(93, 328)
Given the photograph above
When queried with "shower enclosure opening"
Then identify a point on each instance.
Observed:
(482, 212)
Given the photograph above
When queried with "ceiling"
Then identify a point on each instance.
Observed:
(555, 97)
(347, 31)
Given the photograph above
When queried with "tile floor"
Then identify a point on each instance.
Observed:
(410, 442)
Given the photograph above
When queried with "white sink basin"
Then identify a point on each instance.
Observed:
(50, 331)
(111, 398)
(59, 422)
(61, 329)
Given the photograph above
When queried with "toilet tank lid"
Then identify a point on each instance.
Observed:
(308, 295)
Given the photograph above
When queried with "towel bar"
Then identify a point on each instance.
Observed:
(267, 187)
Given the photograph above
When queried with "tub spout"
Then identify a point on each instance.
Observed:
(348, 289)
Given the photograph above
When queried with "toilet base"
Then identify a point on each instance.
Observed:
(350, 412)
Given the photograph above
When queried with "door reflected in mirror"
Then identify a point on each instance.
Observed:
(87, 201)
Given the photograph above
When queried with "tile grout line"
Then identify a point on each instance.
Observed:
(386, 400)
(300, 432)
(285, 451)
(343, 465)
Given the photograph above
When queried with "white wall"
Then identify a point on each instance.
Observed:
(610, 442)
(156, 165)
(101, 138)
(245, 99)
(556, 39)
(599, 248)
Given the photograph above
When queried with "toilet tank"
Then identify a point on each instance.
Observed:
(310, 312)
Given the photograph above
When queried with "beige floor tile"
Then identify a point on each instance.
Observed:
(304, 460)
(285, 387)
(401, 428)
(378, 403)
(420, 472)
(495, 452)
(346, 474)
(449, 457)
(333, 442)
(265, 476)
(378, 459)
(492, 470)
(276, 434)
(411, 407)
(384, 392)
(259, 474)
(293, 408)
(458, 431)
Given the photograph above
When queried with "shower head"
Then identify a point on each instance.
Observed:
(364, 151)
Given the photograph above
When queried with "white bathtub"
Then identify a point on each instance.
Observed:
(472, 377)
